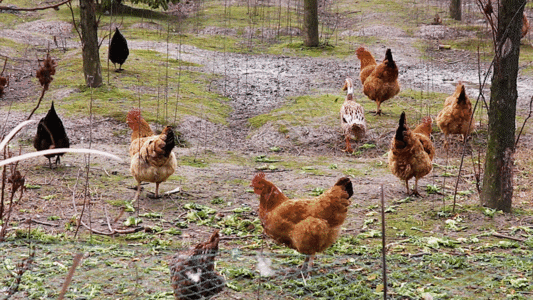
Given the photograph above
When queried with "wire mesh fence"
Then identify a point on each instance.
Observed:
(131, 271)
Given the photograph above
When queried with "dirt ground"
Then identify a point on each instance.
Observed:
(255, 84)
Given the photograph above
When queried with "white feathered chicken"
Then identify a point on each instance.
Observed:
(352, 116)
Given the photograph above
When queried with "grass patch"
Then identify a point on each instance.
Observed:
(302, 110)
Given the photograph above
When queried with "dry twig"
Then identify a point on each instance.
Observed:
(53, 6)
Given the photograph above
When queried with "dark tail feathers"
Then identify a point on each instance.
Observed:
(389, 59)
(170, 141)
(347, 184)
(401, 128)
(462, 96)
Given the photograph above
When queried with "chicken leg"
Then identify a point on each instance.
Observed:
(415, 191)
(378, 110)
(407, 186)
(348, 145)
(156, 193)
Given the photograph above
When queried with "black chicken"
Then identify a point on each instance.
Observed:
(193, 273)
(118, 49)
(50, 135)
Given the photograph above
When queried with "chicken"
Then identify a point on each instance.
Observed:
(306, 225)
(407, 157)
(118, 49)
(423, 132)
(525, 25)
(152, 159)
(193, 275)
(382, 83)
(51, 135)
(368, 63)
(352, 116)
(456, 115)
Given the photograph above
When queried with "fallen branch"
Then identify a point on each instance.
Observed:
(115, 231)
(503, 236)
(53, 6)
(70, 274)
(41, 222)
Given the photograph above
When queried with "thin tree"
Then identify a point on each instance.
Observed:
(455, 9)
(92, 69)
(497, 189)
(311, 23)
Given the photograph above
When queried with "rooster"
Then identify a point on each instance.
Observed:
(382, 83)
(352, 116)
(152, 159)
(368, 63)
(51, 135)
(456, 115)
(306, 225)
(193, 273)
(118, 49)
(411, 152)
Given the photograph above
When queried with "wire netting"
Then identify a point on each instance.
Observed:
(142, 272)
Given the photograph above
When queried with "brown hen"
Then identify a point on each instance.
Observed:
(306, 225)
(152, 159)
(456, 115)
(408, 157)
(382, 84)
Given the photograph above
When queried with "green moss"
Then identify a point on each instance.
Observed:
(308, 110)
(192, 161)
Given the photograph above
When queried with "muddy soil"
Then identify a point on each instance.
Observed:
(255, 84)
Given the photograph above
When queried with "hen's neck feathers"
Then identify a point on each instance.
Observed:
(424, 127)
(141, 129)
(271, 196)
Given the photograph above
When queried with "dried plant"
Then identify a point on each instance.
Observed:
(44, 74)
(46, 70)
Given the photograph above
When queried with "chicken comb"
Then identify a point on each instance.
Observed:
(257, 177)
(133, 116)
(360, 50)
(427, 120)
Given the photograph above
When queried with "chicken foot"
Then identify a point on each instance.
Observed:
(415, 190)
(308, 263)
(378, 110)
(156, 194)
(348, 145)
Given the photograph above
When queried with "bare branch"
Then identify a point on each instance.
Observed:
(75, 263)
(74, 22)
(525, 121)
(54, 6)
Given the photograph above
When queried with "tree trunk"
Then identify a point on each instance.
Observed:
(497, 190)
(455, 9)
(311, 23)
(89, 35)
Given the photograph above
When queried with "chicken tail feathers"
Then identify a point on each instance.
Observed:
(51, 116)
(462, 96)
(389, 59)
(402, 127)
(346, 183)
(170, 140)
